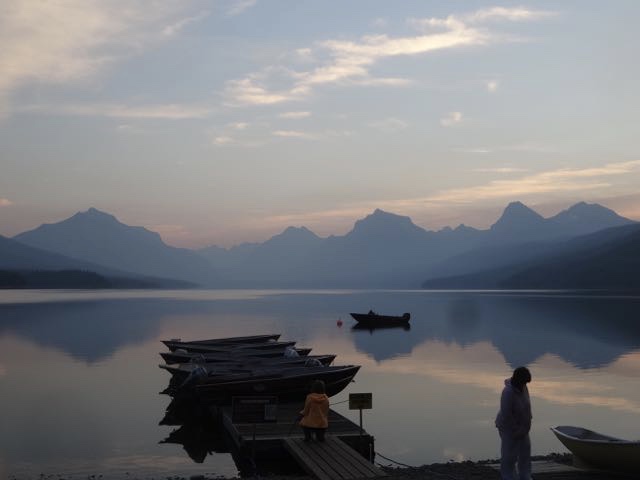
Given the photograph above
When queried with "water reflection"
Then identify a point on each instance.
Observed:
(198, 441)
(82, 376)
(587, 332)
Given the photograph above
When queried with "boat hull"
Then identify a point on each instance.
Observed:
(218, 347)
(229, 340)
(598, 450)
(375, 320)
(288, 387)
(191, 357)
(184, 369)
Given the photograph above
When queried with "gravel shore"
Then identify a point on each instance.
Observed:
(480, 470)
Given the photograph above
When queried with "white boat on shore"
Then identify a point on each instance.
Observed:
(598, 450)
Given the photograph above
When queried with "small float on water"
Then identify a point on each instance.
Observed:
(373, 319)
(597, 450)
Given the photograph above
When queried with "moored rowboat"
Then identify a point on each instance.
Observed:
(288, 384)
(598, 450)
(224, 347)
(231, 340)
(184, 369)
(226, 356)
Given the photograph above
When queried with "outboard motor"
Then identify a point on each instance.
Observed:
(199, 358)
(194, 377)
(313, 362)
(290, 352)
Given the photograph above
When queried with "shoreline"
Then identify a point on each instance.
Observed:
(465, 470)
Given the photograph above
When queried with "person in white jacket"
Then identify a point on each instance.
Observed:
(513, 423)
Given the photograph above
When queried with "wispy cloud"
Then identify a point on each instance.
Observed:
(379, 22)
(512, 14)
(170, 111)
(72, 41)
(177, 27)
(561, 180)
(500, 170)
(295, 115)
(350, 62)
(240, 6)
(528, 146)
(566, 180)
(451, 119)
(5, 202)
(293, 134)
(390, 124)
(222, 140)
(324, 134)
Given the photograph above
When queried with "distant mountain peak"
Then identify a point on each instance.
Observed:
(94, 213)
(294, 236)
(583, 212)
(517, 216)
(384, 223)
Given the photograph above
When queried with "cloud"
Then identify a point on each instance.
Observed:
(379, 22)
(295, 115)
(527, 146)
(350, 62)
(239, 125)
(247, 91)
(492, 86)
(5, 202)
(500, 170)
(178, 26)
(561, 180)
(512, 14)
(452, 119)
(222, 140)
(238, 7)
(65, 42)
(390, 125)
(311, 135)
(170, 111)
(293, 134)
(543, 183)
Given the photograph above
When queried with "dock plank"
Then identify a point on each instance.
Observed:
(352, 458)
(331, 460)
(318, 471)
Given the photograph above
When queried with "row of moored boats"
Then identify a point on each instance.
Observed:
(215, 370)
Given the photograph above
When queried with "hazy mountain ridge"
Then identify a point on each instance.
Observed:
(98, 237)
(607, 259)
(383, 250)
(388, 250)
(28, 267)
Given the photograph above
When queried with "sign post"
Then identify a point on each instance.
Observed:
(360, 401)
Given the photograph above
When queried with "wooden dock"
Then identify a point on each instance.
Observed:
(347, 453)
(331, 460)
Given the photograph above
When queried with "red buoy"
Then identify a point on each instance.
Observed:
(339, 322)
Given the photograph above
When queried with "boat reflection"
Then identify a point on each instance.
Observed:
(371, 329)
(198, 441)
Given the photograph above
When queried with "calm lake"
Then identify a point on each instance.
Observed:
(79, 376)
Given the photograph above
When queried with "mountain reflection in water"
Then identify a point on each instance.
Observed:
(81, 375)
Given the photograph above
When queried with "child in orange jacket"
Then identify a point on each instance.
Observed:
(315, 415)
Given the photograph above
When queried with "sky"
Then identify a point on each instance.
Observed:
(226, 121)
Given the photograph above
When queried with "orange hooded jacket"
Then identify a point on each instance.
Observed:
(316, 411)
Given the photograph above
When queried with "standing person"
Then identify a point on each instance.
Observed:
(315, 415)
(513, 423)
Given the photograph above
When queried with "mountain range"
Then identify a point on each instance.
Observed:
(383, 250)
